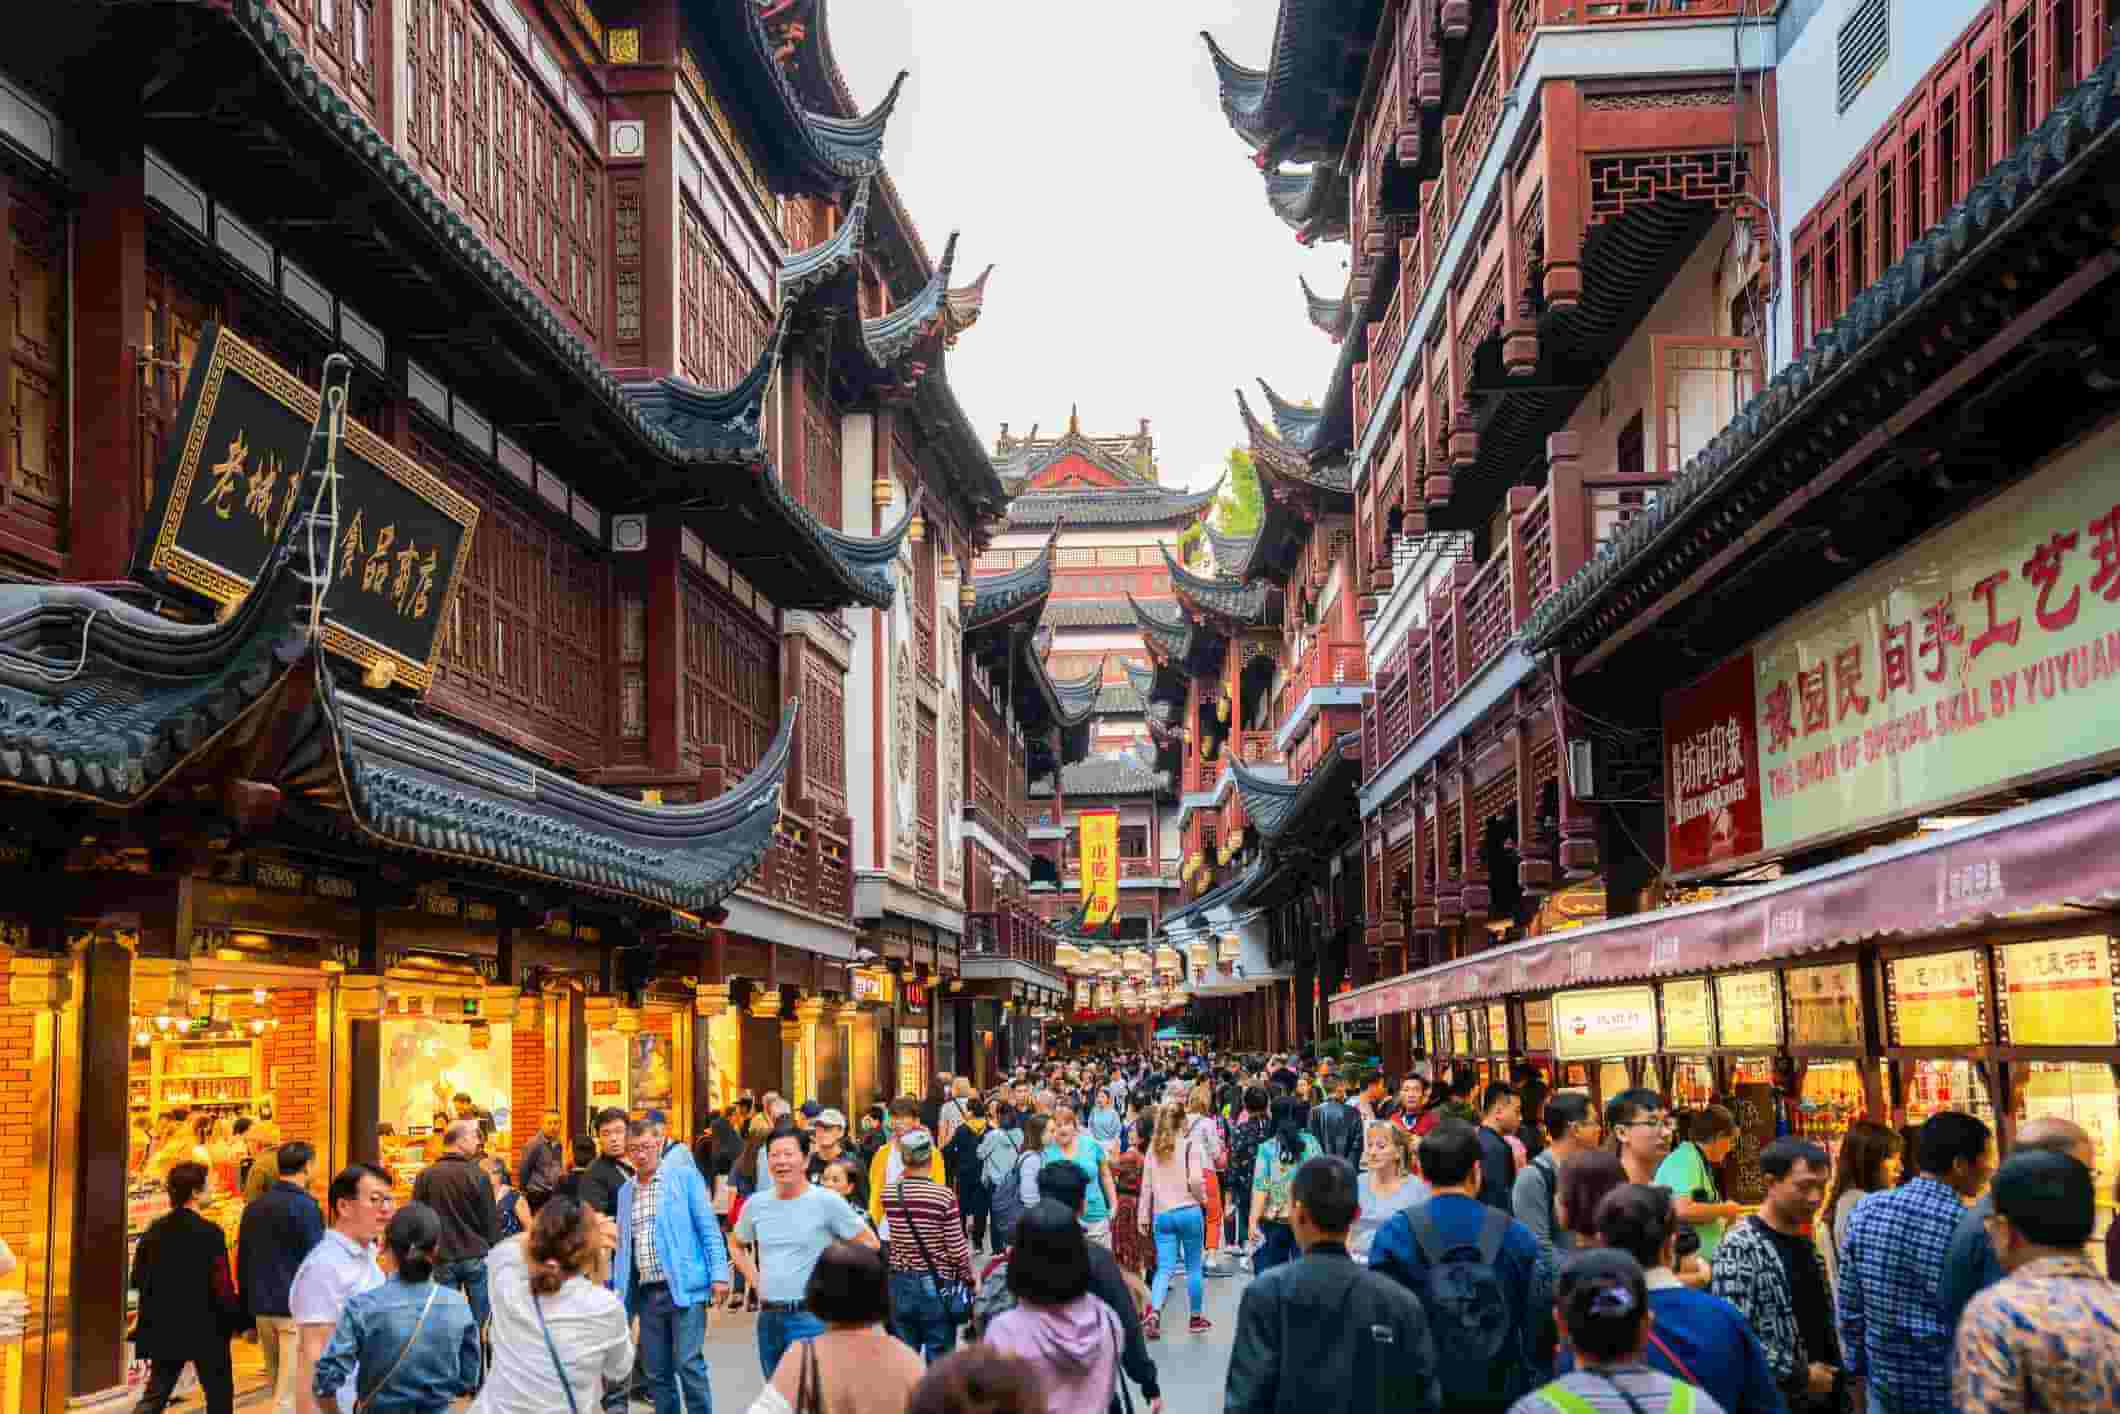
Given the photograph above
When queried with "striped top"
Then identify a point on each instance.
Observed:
(922, 1206)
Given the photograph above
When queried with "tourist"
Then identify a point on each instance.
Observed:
(583, 1154)
(1455, 1242)
(1688, 1171)
(1106, 1124)
(852, 1362)
(544, 1161)
(262, 1173)
(1320, 1332)
(1500, 1114)
(1246, 1134)
(1770, 1269)
(669, 1265)
(456, 1188)
(608, 1172)
(1972, 1264)
(1893, 1330)
(1272, 1172)
(1532, 1093)
(2047, 1336)
(1132, 1244)
(1412, 1100)
(1067, 1334)
(954, 1112)
(1868, 1163)
(411, 1344)
(1693, 1336)
(188, 1303)
(977, 1380)
(277, 1232)
(1068, 1144)
(1636, 1119)
(513, 1207)
(960, 1160)
(999, 1150)
(551, 1284)
(1571, 1129)
(1111, 1285)
(342, 1265)
(928, 1251)
(1172, 1206)
(888, 1166)
(1337, 1125)
(828, 1143)
(1387, 1186)
(788, 1225)
(1602, 1301)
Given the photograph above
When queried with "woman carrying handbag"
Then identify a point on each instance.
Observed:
(856, 1366)
(1173, 1193)
(411, 1340)
(560, 1336)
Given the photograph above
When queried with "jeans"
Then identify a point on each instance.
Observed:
(1277, 1244)
(217, 1381)
(1179, 1233)
(673, 1352)
(917, 1317)
(468, 1275)
(777, 1330)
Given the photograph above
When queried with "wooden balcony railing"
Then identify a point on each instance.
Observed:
(808, 867)
(1325, 663)
(1255, 747)
(1483, 609)
(1008, 935)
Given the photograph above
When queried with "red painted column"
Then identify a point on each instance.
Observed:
(666, 641)
(109, 495)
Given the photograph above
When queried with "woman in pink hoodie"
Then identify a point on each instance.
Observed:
(1070, 1337)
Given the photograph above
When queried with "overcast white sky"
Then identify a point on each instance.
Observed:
(1080, 146)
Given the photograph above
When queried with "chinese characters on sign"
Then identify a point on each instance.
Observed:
(1825, 1005)
(1748, 1009)
(1604, 1024)
(1982, 653)
(1935, 999)
(1686, 1023)
(233, 480)
(1100, 866)
(2058, 992)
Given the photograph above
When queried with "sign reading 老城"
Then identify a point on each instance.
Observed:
(232, 479)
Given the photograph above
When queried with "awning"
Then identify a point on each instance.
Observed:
(2011, 867)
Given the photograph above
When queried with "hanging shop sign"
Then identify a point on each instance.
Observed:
(1688, 1022)
(1608, 1022)
(871, 985)
(2058, 992)
(1748, 1010)
(1538, 1026)
(1825, 1005)
(1937, 999)
(1978, 655)
(233, 477)
(1498, 1028)
(1460, 1034)
(1100, 866)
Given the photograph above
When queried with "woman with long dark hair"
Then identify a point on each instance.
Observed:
(412, 1341)
(1072, 1338)
(1272, 1172)
(1868, 1162)
(552, 1281)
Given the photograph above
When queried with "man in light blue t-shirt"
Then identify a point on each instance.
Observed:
(785, 1229)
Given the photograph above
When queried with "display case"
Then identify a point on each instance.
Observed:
(1832, 1095)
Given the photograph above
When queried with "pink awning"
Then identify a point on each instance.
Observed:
(2037, 857)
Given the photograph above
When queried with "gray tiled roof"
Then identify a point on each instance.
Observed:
(1107, 773)
(1095, 613)
(1127, 505)
(1331, 316)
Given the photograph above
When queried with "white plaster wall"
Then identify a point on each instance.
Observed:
(857, 444)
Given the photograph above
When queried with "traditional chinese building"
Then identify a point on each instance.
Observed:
(488, 516)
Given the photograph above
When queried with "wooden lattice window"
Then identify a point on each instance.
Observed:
(731, 676)
(633, 666)
(924, 773)
(33, 367)
(721, 324)
(824, 734)
(820, 453)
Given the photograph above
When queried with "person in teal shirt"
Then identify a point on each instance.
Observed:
(1069, 1144)
(1689, 1172)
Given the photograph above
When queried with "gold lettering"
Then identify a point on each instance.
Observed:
(426, 587)
(351, 546)
(223, 487)
(401, 587)
(376, 573)
(294, 486)
(258, 500)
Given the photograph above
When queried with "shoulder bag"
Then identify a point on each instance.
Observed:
(558, 1368)
(366, 1401)
(954, 1292)
(809, 1389)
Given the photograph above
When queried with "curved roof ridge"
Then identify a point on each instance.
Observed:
(888, 336)
(965, 304)
(1329, 315)
(1313, 203)
(1007, 591)
(804, 270)
(1296, 424)
(1242, 93)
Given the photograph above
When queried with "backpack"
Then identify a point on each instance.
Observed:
(1007, 1205)
(1468, 1312)
(960, 1157)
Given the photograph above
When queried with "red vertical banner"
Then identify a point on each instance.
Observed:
(1711, 770)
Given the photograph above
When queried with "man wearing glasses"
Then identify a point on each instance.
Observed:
(1637, 1119)
(339, 1267)
(671, 1268)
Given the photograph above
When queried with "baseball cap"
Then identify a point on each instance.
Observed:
(915, 1144)
(811, 1109)
(831, 1119)
(2048, 1197)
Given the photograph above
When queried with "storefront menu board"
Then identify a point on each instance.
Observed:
(1936, 999)
(1688, 1025)
(1825, 1005)
(1498, 1028)
(1460, 1034)
(1538, 1027)
(1748, 1010)
(1607, 1022)
(1476, 1023)
(2057, 992)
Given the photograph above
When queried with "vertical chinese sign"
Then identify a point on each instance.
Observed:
(1100, 867)
(233, 478)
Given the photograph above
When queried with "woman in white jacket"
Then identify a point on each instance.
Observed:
(560, 1336)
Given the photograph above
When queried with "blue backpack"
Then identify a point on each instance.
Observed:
(1007, 1205)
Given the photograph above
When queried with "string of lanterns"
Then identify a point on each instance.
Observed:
(1136, 978)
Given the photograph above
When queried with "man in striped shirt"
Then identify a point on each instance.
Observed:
(927, 1248)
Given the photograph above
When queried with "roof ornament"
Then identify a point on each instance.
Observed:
(1074, 419)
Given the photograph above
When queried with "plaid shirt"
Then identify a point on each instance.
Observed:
(1892, 1327)
(647, 1261)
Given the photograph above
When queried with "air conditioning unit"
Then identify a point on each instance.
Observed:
(1582, 769)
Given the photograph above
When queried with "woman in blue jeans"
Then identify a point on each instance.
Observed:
(1173, 1184)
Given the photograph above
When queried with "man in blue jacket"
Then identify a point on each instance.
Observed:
(671, 1267)
(1478, 1274)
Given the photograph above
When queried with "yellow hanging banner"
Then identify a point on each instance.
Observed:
(1100, 867)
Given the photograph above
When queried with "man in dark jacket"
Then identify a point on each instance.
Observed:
(277, 1232)
(544, 1162)
(1323, 1333)
(608, 1171)
(1338, 1124)
(188, 1302)
(1068, 1186)
(456, 1188)
(1500, 1116)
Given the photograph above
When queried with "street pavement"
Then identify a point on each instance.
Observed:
(1189, 1367)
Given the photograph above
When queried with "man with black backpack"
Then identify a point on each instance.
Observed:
(1478, 1273)
(1571, 1129)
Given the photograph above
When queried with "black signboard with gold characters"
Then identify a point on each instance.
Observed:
(232, 478)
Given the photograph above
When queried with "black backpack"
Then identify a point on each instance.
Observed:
(1007, 1205)
(1468, 1311)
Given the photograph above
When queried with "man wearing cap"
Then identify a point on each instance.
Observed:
(2047, 1336)
(828, 1140)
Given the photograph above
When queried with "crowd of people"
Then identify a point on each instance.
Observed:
(1421, 1246)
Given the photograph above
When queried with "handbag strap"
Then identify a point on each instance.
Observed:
(558, 1367)
(1669, 1354)
(809, 1386)
(361, 1404)
(914, 1228)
